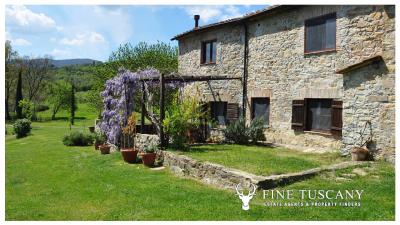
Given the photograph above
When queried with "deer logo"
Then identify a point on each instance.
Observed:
(246, 198)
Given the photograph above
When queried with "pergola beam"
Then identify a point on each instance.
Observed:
(177, 78)
(162, 79)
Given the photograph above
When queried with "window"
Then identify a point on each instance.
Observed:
(208, 52)
(319, 114)
(260, 109)
(322, 115)
(320, 34)
(218, 112)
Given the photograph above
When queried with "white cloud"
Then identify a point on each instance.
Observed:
(20, 42)
(21, 17)
(107, 16)
(84, 38)
(60, 53)
(17, 41)
(210, 13)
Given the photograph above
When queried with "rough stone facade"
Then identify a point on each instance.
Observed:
(279, 69)
(369, 96)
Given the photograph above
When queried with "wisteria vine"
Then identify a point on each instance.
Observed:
(119, 101)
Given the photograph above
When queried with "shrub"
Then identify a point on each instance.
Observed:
(99, 138)
(256, 130)
(27, 108)
(150, 148)
(41, 108)
(22, 127)
(182, 117)
(236, 132)
(77, 138)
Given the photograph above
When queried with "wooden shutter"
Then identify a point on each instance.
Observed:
(337, 121)
(298, 115)
(232, 111)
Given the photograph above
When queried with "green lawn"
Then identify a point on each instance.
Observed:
(46, 180)
(261, 160)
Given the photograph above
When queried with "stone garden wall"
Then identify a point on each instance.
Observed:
(206, 172)
(227, 178)
(143, 140)
(279, 69)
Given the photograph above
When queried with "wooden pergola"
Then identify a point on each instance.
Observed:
(169, 79)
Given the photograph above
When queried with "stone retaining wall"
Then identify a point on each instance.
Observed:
(206, 172)
(227, 178)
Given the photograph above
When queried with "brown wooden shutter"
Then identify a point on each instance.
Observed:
(232, 111)
(298, 115)
(337, 121)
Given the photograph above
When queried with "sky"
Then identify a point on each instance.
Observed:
(94, 31)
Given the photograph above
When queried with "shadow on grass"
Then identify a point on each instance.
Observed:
(210, 147)
(63, 118)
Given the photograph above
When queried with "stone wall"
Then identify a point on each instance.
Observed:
(279, 69)
(207, 172)
(369, 96)
(223, 177)
(230, 42)
(143, 140)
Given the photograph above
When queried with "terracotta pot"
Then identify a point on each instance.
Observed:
(104, 149)
(129, 154)
(96, 145)
(148, 159)
(91, 129)
(359, 154)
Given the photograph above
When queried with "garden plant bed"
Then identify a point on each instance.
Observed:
(261, 160)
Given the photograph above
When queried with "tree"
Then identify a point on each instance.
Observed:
(10, 75)
(37, 73)
(18, 96)
(119, 103)
(58, 97)
(160, 56)
(72, 103)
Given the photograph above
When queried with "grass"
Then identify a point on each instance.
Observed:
(46, 180)
(261, 160)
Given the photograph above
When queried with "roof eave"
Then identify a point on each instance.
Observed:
(242, 19)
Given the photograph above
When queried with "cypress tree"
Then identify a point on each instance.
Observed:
(73, 104)
(18, 96)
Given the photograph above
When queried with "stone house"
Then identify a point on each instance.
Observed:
(321, 77)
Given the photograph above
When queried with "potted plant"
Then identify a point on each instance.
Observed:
(359, 154)
(105, 149)
(128, 151)
(91, 129)
(149, 154)
(99, 139)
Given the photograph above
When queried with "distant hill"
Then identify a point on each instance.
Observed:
(68, 62)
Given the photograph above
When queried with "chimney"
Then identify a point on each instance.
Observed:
(196, 21)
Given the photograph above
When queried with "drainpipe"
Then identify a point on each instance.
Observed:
(245, 63)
